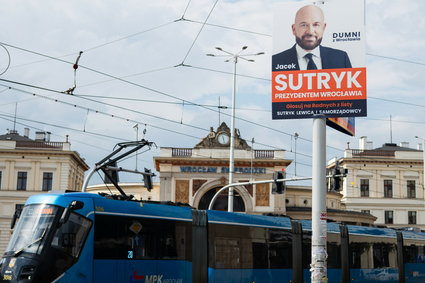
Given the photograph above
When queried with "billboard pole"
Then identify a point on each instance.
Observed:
(319, 215)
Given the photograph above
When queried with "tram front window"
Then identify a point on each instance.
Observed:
(46, 242)
(30, 234)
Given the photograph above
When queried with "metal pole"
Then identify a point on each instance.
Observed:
(232, 139)
(319, 215)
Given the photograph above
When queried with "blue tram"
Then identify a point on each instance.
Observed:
(83, 237)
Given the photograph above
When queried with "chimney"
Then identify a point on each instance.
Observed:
(369, 145)
(419, 146)
(48, 136)
(26, 132)
(404, 144)
(40, 136)
(363, 143)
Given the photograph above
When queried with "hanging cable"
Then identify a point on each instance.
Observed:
(8, 59)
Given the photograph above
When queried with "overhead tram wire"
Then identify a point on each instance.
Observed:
(128, 36)
(242, 119)
(104, 113)
(56, 126)
(228, 28)
(74, 130)
(397, 59)
(126, 81)
(185, 10)
(224, 72)
(129, 76)
(138, 85)
(168, 102)
(68, 128)
(100, 45)
(96, 111)
(92, 100)
(104, 74)
(196, 38)
(178, 122)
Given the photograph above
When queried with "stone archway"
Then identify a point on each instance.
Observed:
(219, 183)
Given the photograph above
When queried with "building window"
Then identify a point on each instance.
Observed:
(1, 175)
(22, 181)
(47, 181)
(364, 187)
(389, 217)
(388, 188)
(411, 189)
(411, 217)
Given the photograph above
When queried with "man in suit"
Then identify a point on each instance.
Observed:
(307, 53)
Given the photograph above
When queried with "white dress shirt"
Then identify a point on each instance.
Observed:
(302, 61)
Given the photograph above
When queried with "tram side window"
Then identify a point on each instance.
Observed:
(414, 254)
(167, 244)
(136, 238)
(280, 249)
(384, 255)
(306, 250)
(260, 255)
(227, 253)
(334, 255)
(70, 237)
(360, 255)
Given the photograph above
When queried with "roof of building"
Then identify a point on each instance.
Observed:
(394, 147)
(14, 136)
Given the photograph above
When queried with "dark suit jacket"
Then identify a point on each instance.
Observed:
(331, 59)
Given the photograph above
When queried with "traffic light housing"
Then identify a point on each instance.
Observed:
(278, 187)
(336, 184)
(337, 175)
(147, 179)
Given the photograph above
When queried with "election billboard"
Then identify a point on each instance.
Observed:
(318, 61)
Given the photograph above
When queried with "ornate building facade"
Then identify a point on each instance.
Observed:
(194, 175)
(29, 167)
(386, 182)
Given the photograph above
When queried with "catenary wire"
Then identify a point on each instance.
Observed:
(202, 27)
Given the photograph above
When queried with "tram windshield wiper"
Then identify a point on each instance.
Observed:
(18, 252)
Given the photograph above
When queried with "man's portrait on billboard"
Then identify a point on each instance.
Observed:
(307, 53)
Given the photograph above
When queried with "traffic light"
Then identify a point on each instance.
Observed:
(278, 187)
(147, 179)
(337, 175)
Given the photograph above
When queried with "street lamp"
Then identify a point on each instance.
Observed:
(235, 57)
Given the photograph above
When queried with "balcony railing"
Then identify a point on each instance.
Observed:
(181, 152)
(263, 153)
(371, 152)
(185, 152)
(36, 144)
